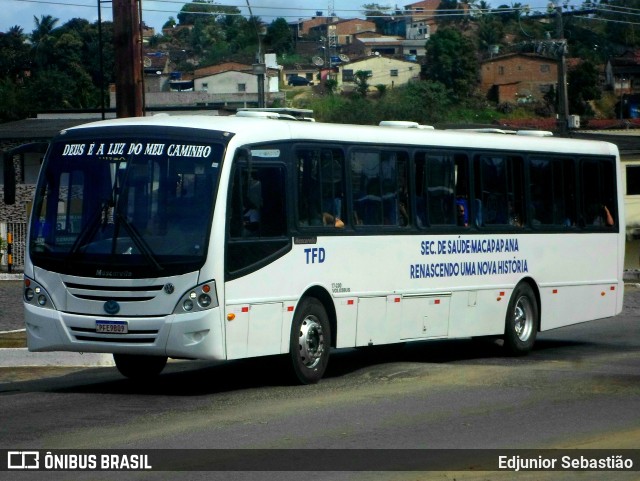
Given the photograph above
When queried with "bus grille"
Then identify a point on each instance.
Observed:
(133, 337)
(106, 293)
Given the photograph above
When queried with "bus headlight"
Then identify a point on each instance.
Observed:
(199, 298)
(36, 295)
(204, 300)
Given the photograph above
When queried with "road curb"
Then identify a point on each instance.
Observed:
(4, 276)
(21, 357)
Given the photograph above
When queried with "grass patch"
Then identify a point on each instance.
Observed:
(13, 339)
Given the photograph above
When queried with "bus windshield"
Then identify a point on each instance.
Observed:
(124, 207)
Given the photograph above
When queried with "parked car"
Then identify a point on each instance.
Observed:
(296, 80)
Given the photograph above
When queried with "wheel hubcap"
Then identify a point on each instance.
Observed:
(311, 342)
(523, 319)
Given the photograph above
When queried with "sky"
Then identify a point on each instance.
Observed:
(156, 12)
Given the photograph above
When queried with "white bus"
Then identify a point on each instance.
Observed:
(223, 238)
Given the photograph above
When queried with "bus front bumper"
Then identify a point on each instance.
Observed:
(196, 335)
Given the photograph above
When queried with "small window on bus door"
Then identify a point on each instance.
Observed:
(257, 210)
(442, 189)
(320, 187)
(379, 187)
(552, 188)
(499, 193)
(598, 199)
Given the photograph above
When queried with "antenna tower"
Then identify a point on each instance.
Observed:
(331, 31)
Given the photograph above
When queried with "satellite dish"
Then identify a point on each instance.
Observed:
(147, 62)
(343, 57)
(317, 61)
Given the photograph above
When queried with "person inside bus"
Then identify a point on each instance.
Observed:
(251, 215)
(601, 216)
(328, 219)
(514, 217)
(462, 212)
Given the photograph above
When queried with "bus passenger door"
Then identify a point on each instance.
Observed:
(425, 316)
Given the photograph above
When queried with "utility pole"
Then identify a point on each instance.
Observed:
(128, 59)
(259, 68)
(563, 99)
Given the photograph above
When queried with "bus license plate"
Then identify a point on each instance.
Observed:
(112, 327)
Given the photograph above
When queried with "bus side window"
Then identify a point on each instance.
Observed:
(320, 187)
(552, 192)
(598, 192)
(258, 202)
(442, 189)
(257, 214)
(499, 189)
(380, 187)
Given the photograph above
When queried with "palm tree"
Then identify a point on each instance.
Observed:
(44, 27)
(40, 37)
(16, 31)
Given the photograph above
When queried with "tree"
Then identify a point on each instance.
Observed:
(279, 37)
(621, 28)
(583, 82)
(171, 23)
(44, 26)
(361, 79)
(14, 54)
(13, 100)
(378, 14)
(41, 39)
(451, 60)
(490, 32)
(447, 12)
(197, 10)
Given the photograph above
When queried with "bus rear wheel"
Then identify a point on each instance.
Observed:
(310, 342)
(521, 324)
(139, 367)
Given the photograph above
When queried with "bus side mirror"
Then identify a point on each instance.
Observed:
(9, 176)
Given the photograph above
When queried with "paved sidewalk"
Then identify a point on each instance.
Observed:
(11, 310)
(21, 357)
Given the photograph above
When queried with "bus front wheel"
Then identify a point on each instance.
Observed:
(139, 367)
(521, 324)
(310, 341)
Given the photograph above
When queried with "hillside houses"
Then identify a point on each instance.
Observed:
(331, 47)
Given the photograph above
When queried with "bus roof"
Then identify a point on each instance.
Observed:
(254, 130)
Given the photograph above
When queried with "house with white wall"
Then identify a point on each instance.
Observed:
(387, 71)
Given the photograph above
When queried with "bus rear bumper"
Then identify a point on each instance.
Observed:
(193, 336)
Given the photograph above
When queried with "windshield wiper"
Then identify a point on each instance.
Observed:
(91, 228)
(140, 243)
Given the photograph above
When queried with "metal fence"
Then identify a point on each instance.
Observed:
(19, 232)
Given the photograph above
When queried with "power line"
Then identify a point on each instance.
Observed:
(609, 20)
(396, 13)
(445, 13)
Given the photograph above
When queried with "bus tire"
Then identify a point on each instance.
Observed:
(522, 320)
(139, 367)
(310, 342)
